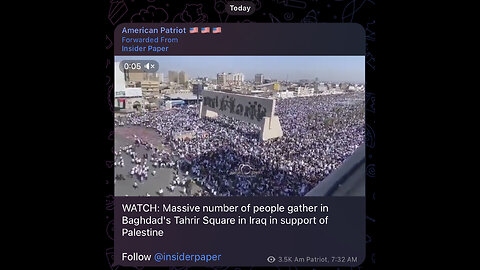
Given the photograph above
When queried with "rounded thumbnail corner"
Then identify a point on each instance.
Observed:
(360, 27)
(119, 26)
(361, 259)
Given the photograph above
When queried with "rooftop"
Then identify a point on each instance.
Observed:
(183, 96)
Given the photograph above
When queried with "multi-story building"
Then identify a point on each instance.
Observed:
(182, 77)
(172, 76)
(160, 77)
(259, 79)
(150, 88)
(236, 79)
(222, 78)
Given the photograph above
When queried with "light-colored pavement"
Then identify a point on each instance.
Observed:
(163, 176)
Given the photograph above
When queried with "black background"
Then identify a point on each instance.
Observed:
(274, 11)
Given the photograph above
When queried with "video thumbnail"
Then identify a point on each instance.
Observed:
(240, 126)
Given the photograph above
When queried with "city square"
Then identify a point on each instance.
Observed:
(167, 149)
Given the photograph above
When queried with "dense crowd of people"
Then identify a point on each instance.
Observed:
(320, 132)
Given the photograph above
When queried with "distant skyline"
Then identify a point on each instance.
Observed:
(325, 68)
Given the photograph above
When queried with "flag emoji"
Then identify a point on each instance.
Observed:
(205, 30)
(216, 30)
(193, 30)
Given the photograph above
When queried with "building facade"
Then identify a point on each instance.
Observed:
(259, 79)
(182, 77)
(230, 79)
(129, 100)
(172, 76)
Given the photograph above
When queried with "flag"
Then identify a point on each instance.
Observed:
(216, 30)
(205, 30)
(193, 30)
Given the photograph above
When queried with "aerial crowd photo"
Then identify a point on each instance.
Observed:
(239, 125)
